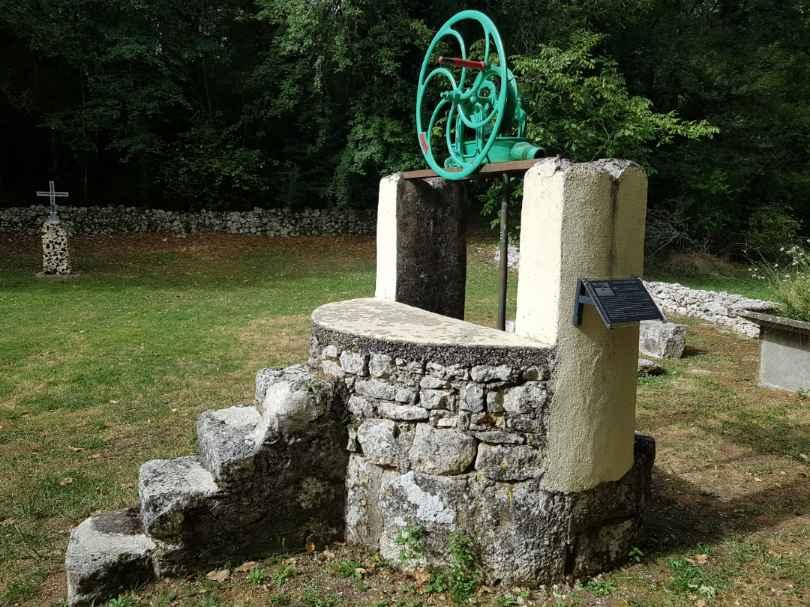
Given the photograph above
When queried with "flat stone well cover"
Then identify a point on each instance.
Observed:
(380, 325)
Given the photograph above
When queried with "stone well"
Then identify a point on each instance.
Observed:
(406, 421)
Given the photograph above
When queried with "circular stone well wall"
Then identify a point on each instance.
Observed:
(448, 425)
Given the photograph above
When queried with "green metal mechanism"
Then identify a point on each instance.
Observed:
(476, 114)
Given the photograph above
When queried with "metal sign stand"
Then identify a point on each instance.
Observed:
(503, 268)
(619, 301)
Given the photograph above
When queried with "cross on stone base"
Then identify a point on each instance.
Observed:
(55, 249)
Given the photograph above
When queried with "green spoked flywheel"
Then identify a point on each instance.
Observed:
(465, 104)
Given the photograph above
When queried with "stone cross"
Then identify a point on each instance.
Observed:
(53, 195)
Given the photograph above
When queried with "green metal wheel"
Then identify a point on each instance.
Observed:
(462, 101)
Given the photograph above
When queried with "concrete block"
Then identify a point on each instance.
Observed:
(583, 221)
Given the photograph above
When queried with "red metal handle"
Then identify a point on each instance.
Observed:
(459, 62)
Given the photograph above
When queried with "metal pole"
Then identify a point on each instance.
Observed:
(504, 261)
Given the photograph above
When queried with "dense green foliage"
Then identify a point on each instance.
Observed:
(307, 102)
(581, 107)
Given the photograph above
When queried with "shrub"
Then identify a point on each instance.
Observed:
(790, 281)
(769, 228)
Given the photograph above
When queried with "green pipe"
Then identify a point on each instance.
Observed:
(523, 150)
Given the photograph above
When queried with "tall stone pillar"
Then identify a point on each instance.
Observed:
(421, 244)
(583, 221)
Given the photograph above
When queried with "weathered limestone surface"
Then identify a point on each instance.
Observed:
(266, 477)
(106, 553)
(55, 249)
(523, 532)
(445, 452)
(447, 431)
(226, 441)
(662, 339)
(404, 419)
(378, 440)
(723, 309)
(169, 491)
(421, 244)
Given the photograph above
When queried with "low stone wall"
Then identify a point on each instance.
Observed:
(272, 222)
(719, 308)
(451, 437)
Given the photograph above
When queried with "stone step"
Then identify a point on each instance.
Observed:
(106, 554)
(173, 492)
(264, 379)
(290, 399)
(227, 442)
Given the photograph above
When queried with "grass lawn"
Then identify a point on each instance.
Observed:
(99, 373)
(701, 271)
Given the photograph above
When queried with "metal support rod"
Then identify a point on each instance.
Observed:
(503, 267)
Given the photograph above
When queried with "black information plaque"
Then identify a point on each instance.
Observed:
(619, 301)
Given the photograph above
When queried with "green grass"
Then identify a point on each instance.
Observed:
(711, 274)
(102, 372)
(739, 283)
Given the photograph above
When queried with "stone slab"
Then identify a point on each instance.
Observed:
(106, 553)
(226, 441)
(169, 489)
(402, 331)
(784, 356)
(662, 339)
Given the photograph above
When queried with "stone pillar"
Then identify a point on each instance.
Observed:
(55, 251)
(421, 244)
(583, 221)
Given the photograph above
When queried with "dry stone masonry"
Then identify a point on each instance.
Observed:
(266, 476)
(55, 249)
(271, 222)
(723, 309)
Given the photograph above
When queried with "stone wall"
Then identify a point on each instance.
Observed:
(453, 439)
(719, 308)
(272, 222)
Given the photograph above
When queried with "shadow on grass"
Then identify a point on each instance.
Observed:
(682, 515)
(767, 435)
(692, 352)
